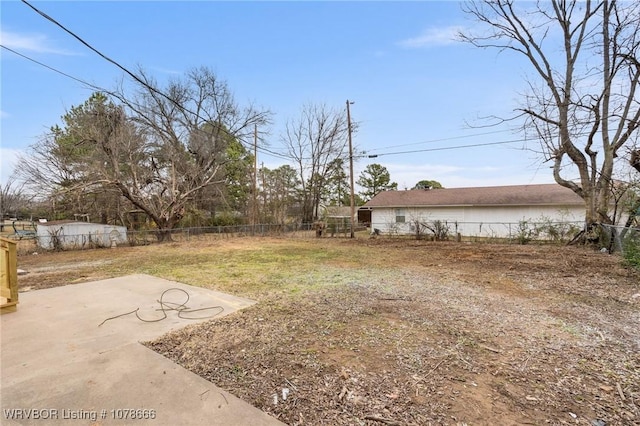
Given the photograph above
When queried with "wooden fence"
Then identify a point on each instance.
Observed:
(8, 276)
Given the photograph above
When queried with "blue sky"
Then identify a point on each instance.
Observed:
(414, 87)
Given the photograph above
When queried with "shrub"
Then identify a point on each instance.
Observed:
(440, 229)
(555, 231)
(525, 232)
(631, 249)
(225, 219)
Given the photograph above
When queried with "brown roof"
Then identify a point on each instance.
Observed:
(513, 195)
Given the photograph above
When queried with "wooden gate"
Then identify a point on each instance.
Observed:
(8, 276)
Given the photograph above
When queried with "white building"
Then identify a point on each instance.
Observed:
(71, 235)
(498, 211)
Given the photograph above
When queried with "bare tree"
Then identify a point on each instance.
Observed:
(313, 142)
(583, 105)
(160, 149)
(12, 199)
(187, 127)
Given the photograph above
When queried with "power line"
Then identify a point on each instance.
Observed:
(93, 86)
(365, 154)
(68, 31)
(264, 150)
(444, 148)
(441, 140)
(131, 74)
(261, 149)
(107, 91)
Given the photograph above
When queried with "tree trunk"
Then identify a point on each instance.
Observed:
(635, 159)
(164, 235)
(634, 212)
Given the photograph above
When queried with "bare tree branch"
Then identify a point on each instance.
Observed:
(585, 107)
(313, 142)
(159, 150)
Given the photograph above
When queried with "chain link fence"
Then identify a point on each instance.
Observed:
(615, 239)
(60, 240)
(210, 233)
(522, 232)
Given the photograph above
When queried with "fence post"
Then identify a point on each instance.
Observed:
(8, 276)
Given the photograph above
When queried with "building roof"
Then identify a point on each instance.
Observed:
(73, 222)
(512, 195)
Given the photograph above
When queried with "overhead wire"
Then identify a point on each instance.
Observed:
(445, 148)
(282, 156)
(440, 140)
(133, 75)
(104, 90)
(367, 152)
(365, 155)
(68, 31)
(79, 80)
(263, 150)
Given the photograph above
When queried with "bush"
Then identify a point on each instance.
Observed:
(525, 232)
(225, 219)
(440, 230)
(631, 249)
(193, 218)
(557, 232)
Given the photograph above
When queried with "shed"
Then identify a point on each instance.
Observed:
(495, 211)
(72, 235)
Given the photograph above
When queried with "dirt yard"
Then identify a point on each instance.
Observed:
(400, 332)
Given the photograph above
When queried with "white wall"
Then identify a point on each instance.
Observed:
(499, 221)
(79, 235)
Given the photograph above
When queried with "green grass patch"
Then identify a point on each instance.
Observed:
(631, 250)
(248, 270)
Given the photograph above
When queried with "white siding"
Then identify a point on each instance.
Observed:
(79, 235)
(496, 221)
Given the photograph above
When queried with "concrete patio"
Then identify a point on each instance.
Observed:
(60, 366)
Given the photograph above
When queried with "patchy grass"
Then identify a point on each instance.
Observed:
(247, 267)
(404, 332)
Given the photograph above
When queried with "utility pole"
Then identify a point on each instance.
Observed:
(264, 188)
(254, 204)
(353, 204)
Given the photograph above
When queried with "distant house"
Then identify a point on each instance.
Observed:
(495, 211)
(67, 234)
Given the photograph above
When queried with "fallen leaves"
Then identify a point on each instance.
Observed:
(496, 334)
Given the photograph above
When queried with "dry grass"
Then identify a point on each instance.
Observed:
(397, 331)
